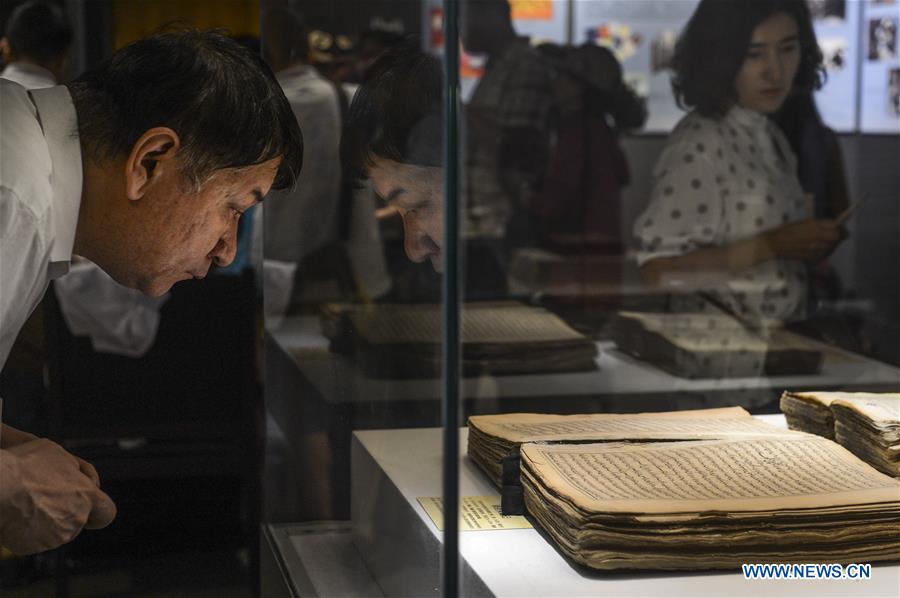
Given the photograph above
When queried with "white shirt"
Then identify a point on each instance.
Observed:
(305, 219)
(302, 220)
(721, 181)
(40, 195)
(29, 76)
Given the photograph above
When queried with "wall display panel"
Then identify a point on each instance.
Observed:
(880, 103)
(541, 20)
(836, 23)
(642, 35)
(544, 21)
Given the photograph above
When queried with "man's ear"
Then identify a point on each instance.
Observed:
(154, 151)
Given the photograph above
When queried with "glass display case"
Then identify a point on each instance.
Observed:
(504, 210)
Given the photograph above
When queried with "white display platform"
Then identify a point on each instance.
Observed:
(401, 545)
(337, 378)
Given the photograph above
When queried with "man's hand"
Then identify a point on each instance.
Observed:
(809, 240)
(10, 437)
(47, 496)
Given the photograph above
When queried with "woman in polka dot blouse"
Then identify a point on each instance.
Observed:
(727, 213)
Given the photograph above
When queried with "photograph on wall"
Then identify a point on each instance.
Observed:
(882, 38)
(828, 9)
(894, 92)
(617, 37)
(543, 21)
(834, 52)
(662, 49)
(531, 10)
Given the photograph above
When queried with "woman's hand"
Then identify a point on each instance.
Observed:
(808, 240)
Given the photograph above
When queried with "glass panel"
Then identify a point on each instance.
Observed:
(663, 206)
(629, 249)
(353, 285)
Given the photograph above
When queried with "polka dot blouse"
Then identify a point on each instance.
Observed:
(721, 181)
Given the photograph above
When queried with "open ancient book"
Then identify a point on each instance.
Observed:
(700, 489)
(868, 424)
(492, 438)
(497, 338)
(711, 504)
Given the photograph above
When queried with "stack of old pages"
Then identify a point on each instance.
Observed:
(400, 341)
(650, 497)
(714, 345)
(867, 424)
(809, 412)
(493, 438)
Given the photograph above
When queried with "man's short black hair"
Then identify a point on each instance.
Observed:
(714, 44)
(39, 30)
(220, 98)
(396, 112)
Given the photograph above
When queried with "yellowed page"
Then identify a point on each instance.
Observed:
(674, 425)
(761, 474)
(821, 398)
(882, 408)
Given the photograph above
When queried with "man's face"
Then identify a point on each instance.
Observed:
(417, 193)
(182, 231)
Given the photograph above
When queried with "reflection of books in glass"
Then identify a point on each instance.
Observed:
(711, 504)
(404, 341)
(714, 345)
(496, 438)
(867, 424)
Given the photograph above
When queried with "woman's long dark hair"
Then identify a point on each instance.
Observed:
(714, 44)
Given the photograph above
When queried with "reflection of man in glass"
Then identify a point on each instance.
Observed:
(394, 137)
(36, 45)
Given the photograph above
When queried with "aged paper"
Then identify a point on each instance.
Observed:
(688, 424)
(868, 424)
(880, 408)
(476, 513)
(819, 398)
(722, 475)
